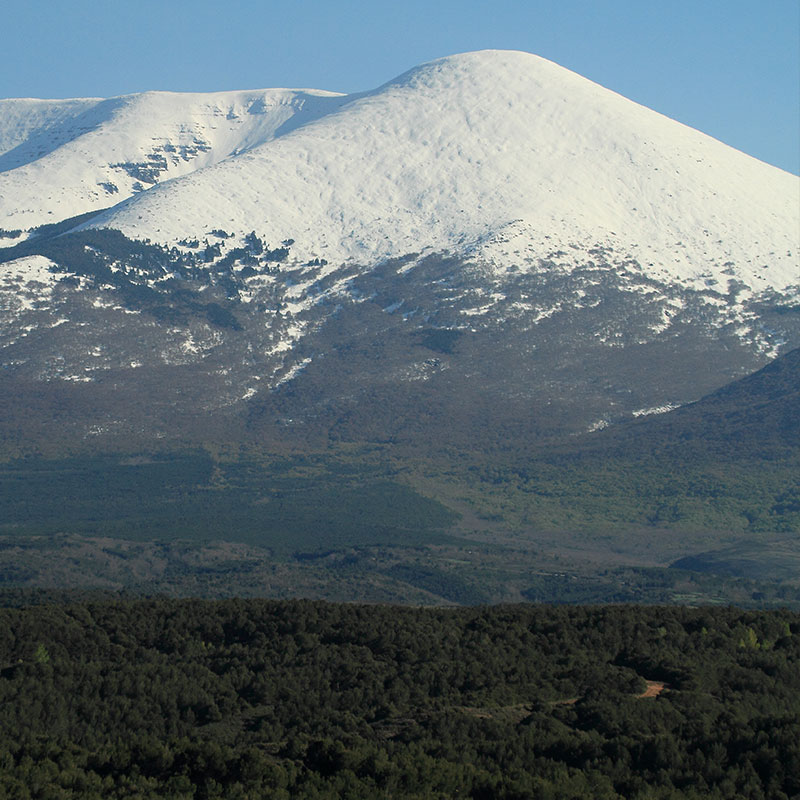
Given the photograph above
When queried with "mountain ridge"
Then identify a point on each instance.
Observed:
(125, 144)
(445, 236)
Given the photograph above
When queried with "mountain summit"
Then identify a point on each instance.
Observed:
(494, 155)
(496, 227)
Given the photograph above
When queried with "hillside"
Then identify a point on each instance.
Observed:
(757, 416)
(710, 489)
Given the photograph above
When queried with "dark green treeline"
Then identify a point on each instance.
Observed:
(254, 699)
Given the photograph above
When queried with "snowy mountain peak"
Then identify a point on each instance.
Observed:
(499, 68)
(500, 156)
(476, 152)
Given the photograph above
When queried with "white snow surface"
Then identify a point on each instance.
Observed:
(61, 158)
(500, 156)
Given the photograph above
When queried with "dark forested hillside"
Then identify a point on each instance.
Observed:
(245, 699)
(755, 417)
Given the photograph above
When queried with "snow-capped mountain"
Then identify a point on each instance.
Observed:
(489, 152)
(488, 236)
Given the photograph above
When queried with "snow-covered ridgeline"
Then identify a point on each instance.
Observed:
(61, 158)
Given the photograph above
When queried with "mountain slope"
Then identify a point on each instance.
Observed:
(757, 416)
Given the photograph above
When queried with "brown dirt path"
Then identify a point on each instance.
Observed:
(654, 689)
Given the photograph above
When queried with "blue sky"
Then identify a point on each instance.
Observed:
(730, 69)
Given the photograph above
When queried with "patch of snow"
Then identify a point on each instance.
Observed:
(292, 372)
(645, 412)
(26, 284)
(291, 334)
(190, 345)
(599, 425)
(544, 314)
(424, 370)
(476, 312)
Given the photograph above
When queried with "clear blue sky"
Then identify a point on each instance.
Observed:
(729, 68)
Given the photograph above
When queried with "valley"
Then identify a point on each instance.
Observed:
(697, 505)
